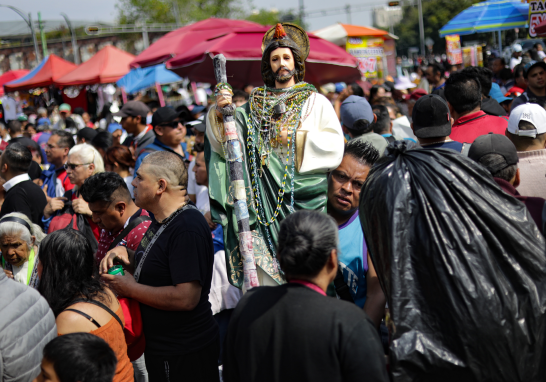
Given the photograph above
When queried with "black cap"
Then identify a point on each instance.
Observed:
(87, 133)
(197, 125)
(134, 109)
(163, 115)
(431, 118)
(494, 144)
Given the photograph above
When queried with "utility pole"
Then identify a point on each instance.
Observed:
(31, 27)
(176, 12)
(42, 35)
(421, 28)
(348, 12)
(75, 48)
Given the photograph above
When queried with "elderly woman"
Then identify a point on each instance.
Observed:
(19, 243)
(83, 161)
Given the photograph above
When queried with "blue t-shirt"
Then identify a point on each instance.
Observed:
(353, 258)
(453, 145)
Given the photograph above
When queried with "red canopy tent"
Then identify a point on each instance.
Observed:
(327, 62)
(51, 70)
(180, 40)
(107, 66)
(10, 76)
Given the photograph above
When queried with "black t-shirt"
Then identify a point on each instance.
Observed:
(292, 333)
(183, 253)
(26, 198)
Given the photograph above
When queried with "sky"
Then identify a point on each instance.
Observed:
(104, 10)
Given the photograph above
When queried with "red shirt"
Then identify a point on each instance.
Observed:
(63, 177)
(133, 238)
(471, 126)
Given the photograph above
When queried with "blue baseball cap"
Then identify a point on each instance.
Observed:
(497, 95)
(355, 108)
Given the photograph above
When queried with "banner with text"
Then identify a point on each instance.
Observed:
(537, 14)
(369, 52)
(454, 52)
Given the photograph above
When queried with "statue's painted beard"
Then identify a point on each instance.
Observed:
(284, 78)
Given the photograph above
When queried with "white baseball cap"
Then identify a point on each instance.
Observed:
(532, 113)
(517, 48)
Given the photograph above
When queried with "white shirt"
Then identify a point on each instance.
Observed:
(15, 181)
(128, 180)
(202, 201)
(20, 273)
(514, 61)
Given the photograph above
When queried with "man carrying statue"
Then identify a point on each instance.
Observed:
(289, 136)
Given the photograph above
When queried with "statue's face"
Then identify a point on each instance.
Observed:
(282, 64)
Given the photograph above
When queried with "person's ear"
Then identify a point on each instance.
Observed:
(33, 239)
(4, 168)
(162, 186)
(390, 128)
(159, 131)
(374, 118)
(411, 125)
(451, 120)
(516, 179)
(92, 167)
(332, 261)
(120, 207)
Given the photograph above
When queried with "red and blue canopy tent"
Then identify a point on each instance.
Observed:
(46, 73)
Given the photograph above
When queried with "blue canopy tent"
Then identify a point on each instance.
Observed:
(32, 73)
(143, 78)
(488, 16)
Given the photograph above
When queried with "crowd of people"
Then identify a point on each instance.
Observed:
(116, 266)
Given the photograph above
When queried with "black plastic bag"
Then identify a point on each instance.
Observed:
(463, 267)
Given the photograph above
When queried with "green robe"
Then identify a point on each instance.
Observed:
(310, 194)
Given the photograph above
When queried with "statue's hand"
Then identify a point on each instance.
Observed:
(222, 100)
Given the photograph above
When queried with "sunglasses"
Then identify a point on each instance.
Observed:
(72, 166)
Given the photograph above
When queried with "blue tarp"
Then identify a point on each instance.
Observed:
(31, 74)
(488, 16)
(143, 78)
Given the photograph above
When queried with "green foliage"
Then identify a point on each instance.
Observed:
(163, 11)
(272, 17)
(436, 13)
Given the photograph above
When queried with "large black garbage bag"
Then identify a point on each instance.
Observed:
(463, 267)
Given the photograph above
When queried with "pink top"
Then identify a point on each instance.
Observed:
(309, 285)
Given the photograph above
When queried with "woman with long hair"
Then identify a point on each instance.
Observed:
(69, 281)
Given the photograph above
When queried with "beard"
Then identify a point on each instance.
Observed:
(282, 79)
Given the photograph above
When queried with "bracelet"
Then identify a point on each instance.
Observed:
(123, 243)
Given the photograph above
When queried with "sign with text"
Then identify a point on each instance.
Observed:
(454, 52)
(537, 14)
(369, 52)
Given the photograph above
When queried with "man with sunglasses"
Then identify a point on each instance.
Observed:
(170, 131)
(355, 273)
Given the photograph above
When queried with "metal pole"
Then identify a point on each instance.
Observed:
(348, 12)
(29, 23)
(145, 39)
(176, 12)
(75, 48)
(500, 43)
(421, 28)
(34, 39)
(42, 35)
(301, 12)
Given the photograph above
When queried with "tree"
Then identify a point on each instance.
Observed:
(436, 13)
(273, 16)
(167, 11)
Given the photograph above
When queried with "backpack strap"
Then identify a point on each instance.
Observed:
(466, 149)
(101, 305)
(342, 289)
(91, 319)
(132, 225)
(390, 139)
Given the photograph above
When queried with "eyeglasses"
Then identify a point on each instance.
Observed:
(173, 124)
(73, 166)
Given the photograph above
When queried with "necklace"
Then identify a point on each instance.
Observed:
(171, 215)
(264, 134)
